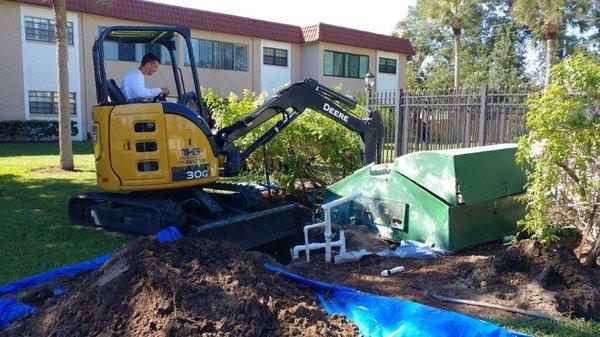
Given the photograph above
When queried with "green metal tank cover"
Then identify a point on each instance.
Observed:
(465, 176)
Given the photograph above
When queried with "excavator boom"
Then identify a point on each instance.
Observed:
(290, 103)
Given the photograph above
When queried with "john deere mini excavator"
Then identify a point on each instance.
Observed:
(159, 162)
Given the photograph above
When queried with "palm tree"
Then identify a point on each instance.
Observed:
(453, 13)
(547, 19)
(64, 116)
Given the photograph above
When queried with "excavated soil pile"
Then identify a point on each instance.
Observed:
(536, 273)
(183, 288)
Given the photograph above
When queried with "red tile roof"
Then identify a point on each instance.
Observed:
(357, 38)
(145, 11)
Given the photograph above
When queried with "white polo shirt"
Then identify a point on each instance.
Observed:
(133, 86)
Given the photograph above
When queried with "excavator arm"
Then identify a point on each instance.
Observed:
(290, 103)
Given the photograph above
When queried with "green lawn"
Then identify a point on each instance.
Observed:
(546, 328)
(36, 234)
(35, 231)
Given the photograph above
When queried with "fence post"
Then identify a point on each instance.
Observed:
(502, 125)
(423, 125)
(399, 127)
(405, 119)
(467, 134)
(482, 115)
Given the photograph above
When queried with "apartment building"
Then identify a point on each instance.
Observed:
(233, 53)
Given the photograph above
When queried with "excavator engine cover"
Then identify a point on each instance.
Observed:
(152, 146)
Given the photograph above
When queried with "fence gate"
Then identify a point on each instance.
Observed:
(435, 120)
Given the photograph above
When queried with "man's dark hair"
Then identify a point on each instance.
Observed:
(149, 58)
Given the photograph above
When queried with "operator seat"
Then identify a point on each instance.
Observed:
(115, 93)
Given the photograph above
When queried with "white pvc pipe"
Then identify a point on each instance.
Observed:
(307, 247)
(320, 245)
(341, 200)
(306, 228)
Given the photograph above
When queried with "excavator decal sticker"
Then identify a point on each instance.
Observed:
(331, 110)
(190, 172)
(191, 152)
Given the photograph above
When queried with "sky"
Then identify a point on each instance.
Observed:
(381, 18)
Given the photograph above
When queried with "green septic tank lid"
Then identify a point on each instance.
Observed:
(469, 176)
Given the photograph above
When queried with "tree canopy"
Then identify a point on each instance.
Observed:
(495, 42)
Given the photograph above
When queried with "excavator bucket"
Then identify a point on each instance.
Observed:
(254, 229)
(227, 212)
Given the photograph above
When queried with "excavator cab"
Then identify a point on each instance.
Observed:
(107, 89)
(151, 145)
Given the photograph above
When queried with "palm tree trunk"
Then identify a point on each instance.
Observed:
(64, 115)
(550, 58)
(456, 60)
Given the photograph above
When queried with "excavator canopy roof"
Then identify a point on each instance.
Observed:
(140, 34)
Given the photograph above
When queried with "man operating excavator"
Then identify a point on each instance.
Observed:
(133, 85)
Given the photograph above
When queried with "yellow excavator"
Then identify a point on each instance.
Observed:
(159, 163)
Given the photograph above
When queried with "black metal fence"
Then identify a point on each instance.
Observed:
(434, 120)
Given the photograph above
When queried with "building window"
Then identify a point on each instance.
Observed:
(219, 55)
(133, 52)
(275, 57)
(345, 64)
(38, 29)
(46, 102)
(387, 66)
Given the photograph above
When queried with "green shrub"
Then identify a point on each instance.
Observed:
(312, 149)
(31, 130)
(564, 141)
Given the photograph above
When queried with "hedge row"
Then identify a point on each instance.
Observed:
(31, 130)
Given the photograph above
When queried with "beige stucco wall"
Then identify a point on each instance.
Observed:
(402, 60)
(310, 61)
(296, 64)
(254, 55)
(12, 104)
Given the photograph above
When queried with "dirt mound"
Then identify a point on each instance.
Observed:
(550, 274)
(183, 288)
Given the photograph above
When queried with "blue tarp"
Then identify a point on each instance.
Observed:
(66, 271)
(11, 309)
(379, 316)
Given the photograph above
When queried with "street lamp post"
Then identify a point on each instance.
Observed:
(369, 83)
